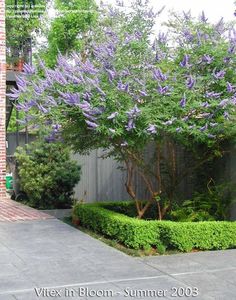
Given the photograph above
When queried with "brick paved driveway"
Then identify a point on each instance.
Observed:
(12, 211)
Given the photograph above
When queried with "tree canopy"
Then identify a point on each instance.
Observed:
(124, 91)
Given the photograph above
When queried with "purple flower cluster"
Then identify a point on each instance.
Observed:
(182, 102)
(158, 75)
(219, 74)
(207, 59)
(185, 62)
(132, 116)
(190, 82)
(152, 129)
(163, 90)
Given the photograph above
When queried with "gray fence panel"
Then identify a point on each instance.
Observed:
(101, 179)
(86, 189)
(110, 179)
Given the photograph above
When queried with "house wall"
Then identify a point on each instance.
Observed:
(2, 99)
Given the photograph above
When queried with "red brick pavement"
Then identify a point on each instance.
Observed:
(11, 211)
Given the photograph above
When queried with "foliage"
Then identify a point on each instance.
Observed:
(20, 24)
(212, 205)
(123, 93)
(135, 233)
(47, 175)
(68, 31)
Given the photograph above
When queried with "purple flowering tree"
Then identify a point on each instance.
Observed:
(124, 92)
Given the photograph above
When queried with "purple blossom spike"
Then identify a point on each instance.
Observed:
(163, 90)
(227, 60)
(231, 49)
(207, 59)
(111, 75)
(188, 35)
(213, 95)
(134, 112)
(125, 73)
(230, 88)
(204, 128)
(190, 82)
(205, 104)
(223, 103)
(169, 122)
(126, 87)
(21, 83)
(219, 74)
(85, 105)
(56, 127)
(220, 27)
(23, 107)
(187, 15)
(185, 62)
(203, 17)
(138, 34)
(143, 93)
(91, 125)
(158, 75)
(38, 90)
(15, 94)
(182, 102)
(178, 129)
(233, 100)
(131, 125)
(226, 115)
(112, 116)
(199, 37)
(70, 98)
(28, 69)
(89, 117)
(151, 14)
(162, 38)
(42, 109)
(51, 101)
(152, 129)
(87, 96)
(101, 92)
(123, 87)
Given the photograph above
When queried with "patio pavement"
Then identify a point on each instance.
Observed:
(12, 211)
(51, 254)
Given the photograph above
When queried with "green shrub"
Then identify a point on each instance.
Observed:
(209, 235)
(143, 234)
(209, 206)
(131, 232)
(47, 175)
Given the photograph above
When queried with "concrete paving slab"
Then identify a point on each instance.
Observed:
(50, 253)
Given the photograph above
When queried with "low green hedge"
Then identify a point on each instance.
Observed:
(142, 234)
(131, 232)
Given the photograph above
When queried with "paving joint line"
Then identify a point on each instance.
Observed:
(83, 284)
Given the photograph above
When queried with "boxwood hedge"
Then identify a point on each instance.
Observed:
(142, 234)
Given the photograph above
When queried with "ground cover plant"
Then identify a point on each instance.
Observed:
(124, 92)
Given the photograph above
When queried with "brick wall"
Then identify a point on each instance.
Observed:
(2, 99)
